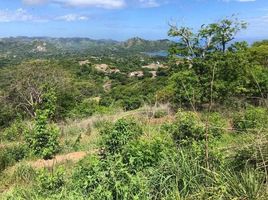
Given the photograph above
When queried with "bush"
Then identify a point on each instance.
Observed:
(12, 154)
(87, 176)
(251, 154)
(142, 154)
(84, 109)
(43, 140)
(217, 124)
(15, 131)
(131, 103)
(254, 118)
(122, 132)
(186, 88)
(187, 128)
(50, 182)
(108, 179)
(7, 114)
(106, 101)
(244, 157)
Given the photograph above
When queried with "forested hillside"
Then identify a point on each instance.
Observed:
(101, 119)
(45, 47)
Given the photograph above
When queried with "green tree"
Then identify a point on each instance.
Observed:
(43, 140)
(209, 38)
(25, 89)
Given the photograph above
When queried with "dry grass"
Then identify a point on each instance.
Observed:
(59, 159)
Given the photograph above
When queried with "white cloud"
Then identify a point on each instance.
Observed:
(17, 15)
(21, 15)
(33, 2)
(94, 3)
(149, 3)
(109, 4)
(72, 17)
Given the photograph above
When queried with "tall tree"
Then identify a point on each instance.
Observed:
(209, 38)
(28, 82)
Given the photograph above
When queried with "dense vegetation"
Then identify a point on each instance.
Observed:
(108, 121)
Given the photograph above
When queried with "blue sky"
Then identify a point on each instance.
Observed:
(122, 19)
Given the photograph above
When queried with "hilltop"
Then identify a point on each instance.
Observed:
(47, 46)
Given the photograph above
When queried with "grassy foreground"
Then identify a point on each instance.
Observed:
(148, 153)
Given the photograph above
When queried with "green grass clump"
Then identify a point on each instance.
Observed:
(252, 119)
(24, 173)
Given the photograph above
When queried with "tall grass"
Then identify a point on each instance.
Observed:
(155, 168)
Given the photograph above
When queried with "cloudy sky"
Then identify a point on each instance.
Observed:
(122, 19)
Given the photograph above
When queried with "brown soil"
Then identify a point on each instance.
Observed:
(73, 157)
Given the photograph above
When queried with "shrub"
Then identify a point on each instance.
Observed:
(252, 154)
(186, 88)
(17, 152)
(84, 109)
(142, 154)
(50, 182)
(217, 124)
(108, 179)
(5, 160)
(12, 154)
(87, 176)
(131, 103)
(7, 114)
(187, 128)
(15, 131)
(106, 101)
(121, 183)
(244, 157)
(120, 134)
(252, 118)
(43, 140)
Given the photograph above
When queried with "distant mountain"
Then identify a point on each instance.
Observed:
(147, 45)
(136, 41)
(47, 46)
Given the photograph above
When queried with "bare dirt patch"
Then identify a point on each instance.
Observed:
(84, 62)
(136, 74)
(59, 159)
(154, 66)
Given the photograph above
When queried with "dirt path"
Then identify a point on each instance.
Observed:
(59, 159)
